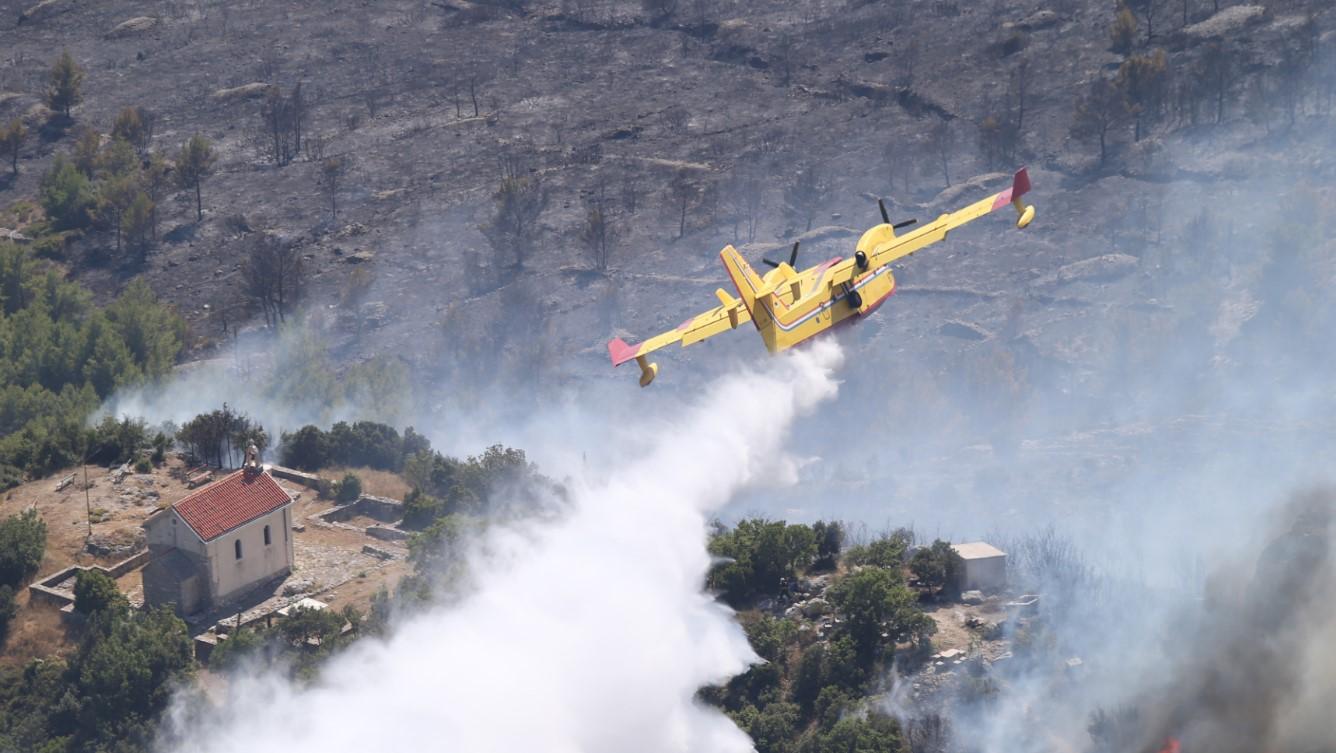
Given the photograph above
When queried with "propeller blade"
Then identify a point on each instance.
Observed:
(886, 218)
(793, 255)
(906, 223)
(771, 263)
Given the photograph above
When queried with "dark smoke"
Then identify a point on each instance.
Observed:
(1257, 661)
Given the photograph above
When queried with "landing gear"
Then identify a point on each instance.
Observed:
(854, 299)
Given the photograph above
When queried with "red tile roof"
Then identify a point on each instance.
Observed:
(231, 502)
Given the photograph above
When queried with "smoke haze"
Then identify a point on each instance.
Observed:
(590, 633)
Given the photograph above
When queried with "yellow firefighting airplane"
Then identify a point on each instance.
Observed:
(788, 306)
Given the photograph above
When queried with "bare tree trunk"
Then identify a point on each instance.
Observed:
(199, 203)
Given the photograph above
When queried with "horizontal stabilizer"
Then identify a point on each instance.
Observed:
(620, 351)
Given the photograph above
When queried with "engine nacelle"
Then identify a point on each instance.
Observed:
(647, 370)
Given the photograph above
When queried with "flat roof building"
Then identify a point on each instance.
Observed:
(978, 566)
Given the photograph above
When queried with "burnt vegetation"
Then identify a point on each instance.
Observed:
(413, 168)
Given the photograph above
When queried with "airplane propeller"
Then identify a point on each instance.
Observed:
(886, 218)
(793, 257)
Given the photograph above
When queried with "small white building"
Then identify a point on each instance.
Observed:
(219, 542)
(978, 566)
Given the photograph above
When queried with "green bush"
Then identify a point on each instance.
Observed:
(362, 443)
(306, 449)
(886, 551)
(761, 554)
(872, 733)
(421, 510)
(22, 544)
(94, 592)
(67, 195)
(8, 610)
(933, 565)
(348, 490)
(239, 645)
(876, 600)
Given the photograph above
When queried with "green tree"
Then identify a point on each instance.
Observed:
(306, 626)
(306, 449)
(115, 195)
(155, 181)
(436, 552)
(125, 671)
(66, 195)
(872, 733)
(240, 644)
(134, 125)
(152, 331)
(829, 541)
(829, 706)
(137, 223)
(809, 676)
(933, 565)
(775, 727)
(118, 158)
(87, 152)
(421, 509)
(761, 554)
(22, 544)
(11, 141)
(770, 637)
(94, 592)
(66, 82)
(193, 164)
(885, 551)
(874, 601)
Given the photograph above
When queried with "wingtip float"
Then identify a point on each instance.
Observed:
(788, 306)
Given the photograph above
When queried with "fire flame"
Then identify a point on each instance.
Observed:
(1171, 746)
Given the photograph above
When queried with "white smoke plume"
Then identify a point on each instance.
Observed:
(591, 633)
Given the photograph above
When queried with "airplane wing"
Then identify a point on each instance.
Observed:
(899, 247)
(728, 315)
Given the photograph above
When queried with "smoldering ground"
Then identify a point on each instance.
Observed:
(589, 633)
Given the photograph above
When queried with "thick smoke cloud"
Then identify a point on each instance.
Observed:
(1259, 674)
(590, 633)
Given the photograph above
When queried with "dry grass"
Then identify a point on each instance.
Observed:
(36, 632)
(378, 483)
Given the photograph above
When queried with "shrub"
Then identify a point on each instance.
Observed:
(143, 465)
(305, 449)
(348, 490)
(8, 610)
(239, 645)
(763, 553)
(829, 541)
(22, 543)
(67, 195)
(887, 551)
(95, 592)
(421, 509)
(933, 565)
(876, 600)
